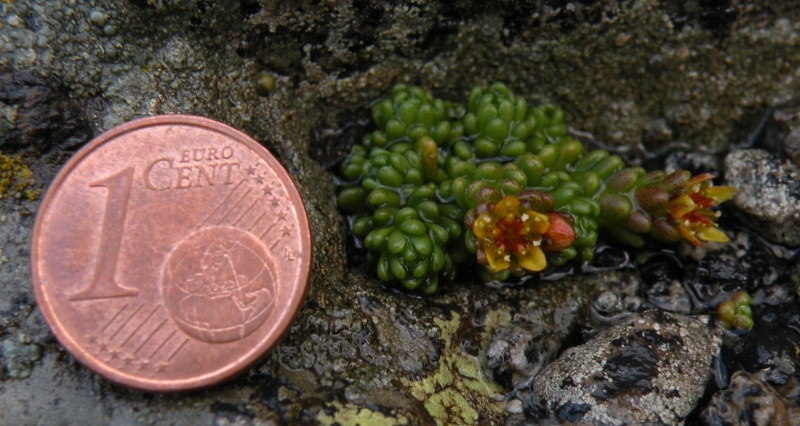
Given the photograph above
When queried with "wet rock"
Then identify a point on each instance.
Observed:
(613, 301)
(749, 401)
(747, 262)
(670, 296)
(715, 274)
(651, 368)
(767, 352)
(770, 350)
(610, 307)
(664, 288)
(663, 278)
(768, 194)
(517, 354)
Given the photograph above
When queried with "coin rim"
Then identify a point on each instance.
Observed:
(229, 371)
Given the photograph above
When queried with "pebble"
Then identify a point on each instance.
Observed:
(652, 368)
(98, 18)
(749, 401)
(767, 194)
(14, 20)
(516, 354)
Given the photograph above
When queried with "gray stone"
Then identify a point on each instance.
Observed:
(98, 18)
(520, 352)
(767, 194)
(649, 369)
(749, 401)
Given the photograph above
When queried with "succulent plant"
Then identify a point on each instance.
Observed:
(500, 183)
(735, 313)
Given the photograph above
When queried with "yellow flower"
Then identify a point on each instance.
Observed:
(511, 236)
(690, 206)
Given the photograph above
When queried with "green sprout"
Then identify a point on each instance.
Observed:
(735, 313)
(499, 183)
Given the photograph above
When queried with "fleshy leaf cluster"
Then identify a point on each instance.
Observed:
(735, 313)
(500, 183)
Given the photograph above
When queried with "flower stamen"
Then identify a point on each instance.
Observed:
(689, 209)
(511, 235)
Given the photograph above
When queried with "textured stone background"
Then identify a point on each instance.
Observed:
(642, 75)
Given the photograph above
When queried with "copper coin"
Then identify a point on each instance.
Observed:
(171, 253)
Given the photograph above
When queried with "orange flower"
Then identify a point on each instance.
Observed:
(690, 206)
(512, 236)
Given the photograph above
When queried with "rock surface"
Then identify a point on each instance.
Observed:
(300, 79)
(649, 369)
(749, 401)
(768, 193)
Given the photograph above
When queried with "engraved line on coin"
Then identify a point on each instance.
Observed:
(261, 237)
(164, 342)
(145, 334)
(124, 324)
(281, 218)
(122, 357)
(139, 327)
(224, 200)
(150, 336)
(114, 318)
(185, 341)
(253, 204)
(256, 222)
(235, 205)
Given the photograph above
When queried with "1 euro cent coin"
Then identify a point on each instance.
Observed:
(171, 253)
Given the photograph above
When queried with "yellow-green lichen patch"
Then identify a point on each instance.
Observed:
(458, 392)
(351, 415)
(16, 179)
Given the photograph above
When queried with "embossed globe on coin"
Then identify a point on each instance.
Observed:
(218, 284)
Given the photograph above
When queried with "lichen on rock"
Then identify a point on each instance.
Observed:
(16, 179)
(650, 368)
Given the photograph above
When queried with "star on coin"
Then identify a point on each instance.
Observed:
(127, 358)
(114, 353)
(93, 340)
(250, 170)
(260, 180)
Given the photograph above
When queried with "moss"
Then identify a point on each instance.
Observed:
(459, 392)
(348, 414)
(16, 179)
